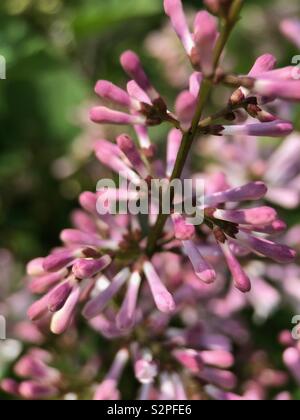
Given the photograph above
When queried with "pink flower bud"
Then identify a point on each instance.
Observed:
(32, 390)
(103, 115)
(195, 84)
(219, 358)
(263, 64)
(108, 90)
(190, 359)
(59, 295)
(174, 142)
(205, 36)
(107, 390)
(76, 237)
(174, 10)
(291, 29)
(280, 253)
(183, 230)
(282, 89)
(138, 93)
(291, 358)
(128, 147)
(133, 67)
(35, 267)
(241, 280)
(58, 260)
(248, 192)
(255, 216)
(38, 309)
(145, 370)
(218, 377)
(275, 128)
(88, 201)
(62, 319)
(84, 268)
(117, 165)
(39, 285)
(10, 386)
(202, 269)
(221, 395)
(163, 299)
(95, 306)
(127, 315)
(29, 366)
(83, 222)
(185, 106)
(29, 333)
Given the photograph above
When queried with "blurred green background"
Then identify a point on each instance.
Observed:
(55, 51)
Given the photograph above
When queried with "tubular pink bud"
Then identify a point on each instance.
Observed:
(127, 314)
(95, 306)
(126, 144)
(88, 201)
(58, 260)
(59, 296)
(280, 253)
(174, 10)
(10, 386)
(62, 319)
(133, 67)
(174, 142)
(202, 269)
(263, 64)
(291, 359)
(84, 222)
(39, 285)
(83, 239)
(221, 395)
(190, 359)
(276, 128)
(283, 89)
(248, 192)
(163, 299)
(218, 377)
(30, 366)
(108, 90)
(103, 115)
(35, 267)
(39, 308)
(117, 165)
(107, 390)
(195, 84)
(291, 29)
(219, 358)
(32, 390)
(185, 106)
(205, 36)
(241, 280)
(255, 216)
(84, 268)
(138, 93)
(183, 230)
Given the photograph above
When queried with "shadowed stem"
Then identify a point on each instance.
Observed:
(189, 136)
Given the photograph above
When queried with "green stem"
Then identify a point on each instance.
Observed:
(228, 25)
(189, 137)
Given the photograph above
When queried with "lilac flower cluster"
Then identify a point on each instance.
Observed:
(169, 291)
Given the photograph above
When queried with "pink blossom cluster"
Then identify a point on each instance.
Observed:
(173, 306)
